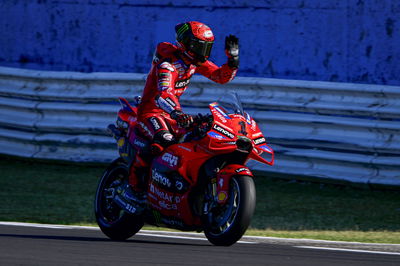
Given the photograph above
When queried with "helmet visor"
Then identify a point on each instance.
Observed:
(201, 48)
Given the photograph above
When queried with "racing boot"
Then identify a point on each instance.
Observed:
(132, 197)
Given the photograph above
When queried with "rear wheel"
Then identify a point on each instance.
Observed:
(112, 220)
(228, 223)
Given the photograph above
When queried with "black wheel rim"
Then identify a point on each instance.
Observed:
(108, 211)
(222, 218)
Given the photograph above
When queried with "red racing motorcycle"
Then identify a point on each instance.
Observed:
(199, 184)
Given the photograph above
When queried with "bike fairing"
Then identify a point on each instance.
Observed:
(179, 177)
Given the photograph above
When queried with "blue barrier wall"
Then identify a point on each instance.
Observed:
(332, 40)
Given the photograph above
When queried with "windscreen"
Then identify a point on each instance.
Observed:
(232, 104)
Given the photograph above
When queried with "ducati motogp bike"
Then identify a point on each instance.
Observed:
(201, 183)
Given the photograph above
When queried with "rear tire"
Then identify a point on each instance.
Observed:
(228, 223)
(112, 220)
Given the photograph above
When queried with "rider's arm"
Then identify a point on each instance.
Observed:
(166, 98)
(222, 74)
(166, 77)
(226, 72)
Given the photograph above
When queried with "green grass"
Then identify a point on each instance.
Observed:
(51, 192)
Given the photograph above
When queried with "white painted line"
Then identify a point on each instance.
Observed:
(317, 241)
(246, 239)
(185, 237)
(350, 250)
(165, 234)
(50, 226)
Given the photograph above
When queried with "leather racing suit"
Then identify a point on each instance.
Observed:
(168, 79)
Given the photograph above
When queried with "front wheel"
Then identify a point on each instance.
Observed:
(228, 223)
(112, 220)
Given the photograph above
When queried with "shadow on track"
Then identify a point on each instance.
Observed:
(100, 239)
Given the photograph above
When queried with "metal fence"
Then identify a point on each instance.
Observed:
(337, 132)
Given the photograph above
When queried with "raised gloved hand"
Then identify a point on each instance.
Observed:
(232, 50)
(184, 120)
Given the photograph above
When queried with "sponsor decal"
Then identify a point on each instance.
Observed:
(164, 75)
(170, 101)
(241, 170)
(182, 83)
(179, 185)
(181, 68)
(223, 131)
(167, 136)
(222, 112)
(221, 182)
(216, 135)
(248, 119)
(155, 123)
(222, 196)
(229, 143)
(146, 129)
(257, 135)
(167, 206)
(208, 34)
(172, 222)
(179, 91)
(162, 84)
(159, 178)
(184, 148)
(125, 205)
(259, 141)
(170, 159)
(164, 80)
(168, 66)
(221, 117)
(139, 143)
(242, 128)
(163, 88)
(161, 194)
(163, 104)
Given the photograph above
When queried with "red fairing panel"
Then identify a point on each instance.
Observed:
(224, 178)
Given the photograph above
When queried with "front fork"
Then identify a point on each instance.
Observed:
(221, 182)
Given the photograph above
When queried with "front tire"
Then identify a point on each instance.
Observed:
(112, 220)
(228, 223)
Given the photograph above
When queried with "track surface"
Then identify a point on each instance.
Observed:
(28, 244)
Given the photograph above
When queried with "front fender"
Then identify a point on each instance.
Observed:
(224, 177)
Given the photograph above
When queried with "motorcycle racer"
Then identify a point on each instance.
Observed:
(172, 67)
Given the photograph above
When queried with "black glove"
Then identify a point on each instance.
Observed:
(184, 120)
(232, 50)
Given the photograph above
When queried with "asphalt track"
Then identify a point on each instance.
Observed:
(31, 244)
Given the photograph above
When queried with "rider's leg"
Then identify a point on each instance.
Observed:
(156, 129)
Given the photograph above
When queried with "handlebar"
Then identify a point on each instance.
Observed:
(200, 126)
